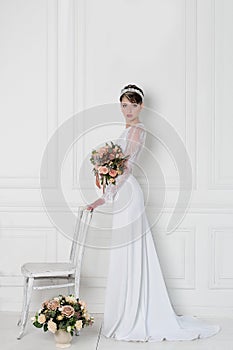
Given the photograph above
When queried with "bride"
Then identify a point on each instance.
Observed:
(137, 305)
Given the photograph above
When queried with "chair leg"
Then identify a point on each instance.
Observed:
(82, 237)
(76, 286)
(26, 303)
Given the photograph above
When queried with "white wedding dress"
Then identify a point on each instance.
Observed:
(137, 305)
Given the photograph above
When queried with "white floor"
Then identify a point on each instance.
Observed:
(90, 339)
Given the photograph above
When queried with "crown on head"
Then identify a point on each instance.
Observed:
(123, 91)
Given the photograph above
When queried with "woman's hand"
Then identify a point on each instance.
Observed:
(95, 204)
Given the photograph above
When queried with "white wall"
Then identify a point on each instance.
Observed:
(59, 57)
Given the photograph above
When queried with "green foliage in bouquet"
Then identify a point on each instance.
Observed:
(63, 312)
(109, 162)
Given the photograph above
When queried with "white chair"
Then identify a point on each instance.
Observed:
(57, 270)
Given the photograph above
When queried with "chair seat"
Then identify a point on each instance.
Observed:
(47, 269)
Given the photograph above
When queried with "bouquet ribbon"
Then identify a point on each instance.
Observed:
(97, 180)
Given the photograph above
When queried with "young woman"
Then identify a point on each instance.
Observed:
(137, 305)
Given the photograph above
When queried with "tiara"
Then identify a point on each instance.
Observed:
(123, 91)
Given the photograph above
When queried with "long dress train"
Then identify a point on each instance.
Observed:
(137, 306)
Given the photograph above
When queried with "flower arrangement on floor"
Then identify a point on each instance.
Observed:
(63, 313)
(109, 162)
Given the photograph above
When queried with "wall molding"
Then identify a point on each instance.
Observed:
(34, 207)
(26, 182)
(216, 182)
(190, 117)
(24, 232)
(217, 280)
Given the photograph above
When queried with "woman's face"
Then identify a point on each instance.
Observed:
(130, 110)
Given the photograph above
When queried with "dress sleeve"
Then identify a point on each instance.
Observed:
(134, 144)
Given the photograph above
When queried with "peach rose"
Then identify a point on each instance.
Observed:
(67, 311)
(103, 170)
(83, 305)
(113, 173)
(87, 316)
(41, 318)
(53, 305)
(45, 304)
(82, 302)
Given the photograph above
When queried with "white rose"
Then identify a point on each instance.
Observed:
(68, 329)
(52, 327)
(78, 324)
(71, 299)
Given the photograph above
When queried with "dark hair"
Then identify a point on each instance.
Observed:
(132, 96)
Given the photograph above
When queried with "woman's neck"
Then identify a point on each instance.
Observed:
(127, 125)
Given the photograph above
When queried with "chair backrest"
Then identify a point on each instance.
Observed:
(81, 228)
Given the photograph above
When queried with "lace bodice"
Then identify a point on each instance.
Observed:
(131, 141)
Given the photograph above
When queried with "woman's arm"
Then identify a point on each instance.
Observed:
(135, 142)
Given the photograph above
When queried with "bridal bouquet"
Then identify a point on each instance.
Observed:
(63, 313)
(109, 162)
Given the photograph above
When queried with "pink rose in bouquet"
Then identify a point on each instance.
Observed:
(109, 162)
